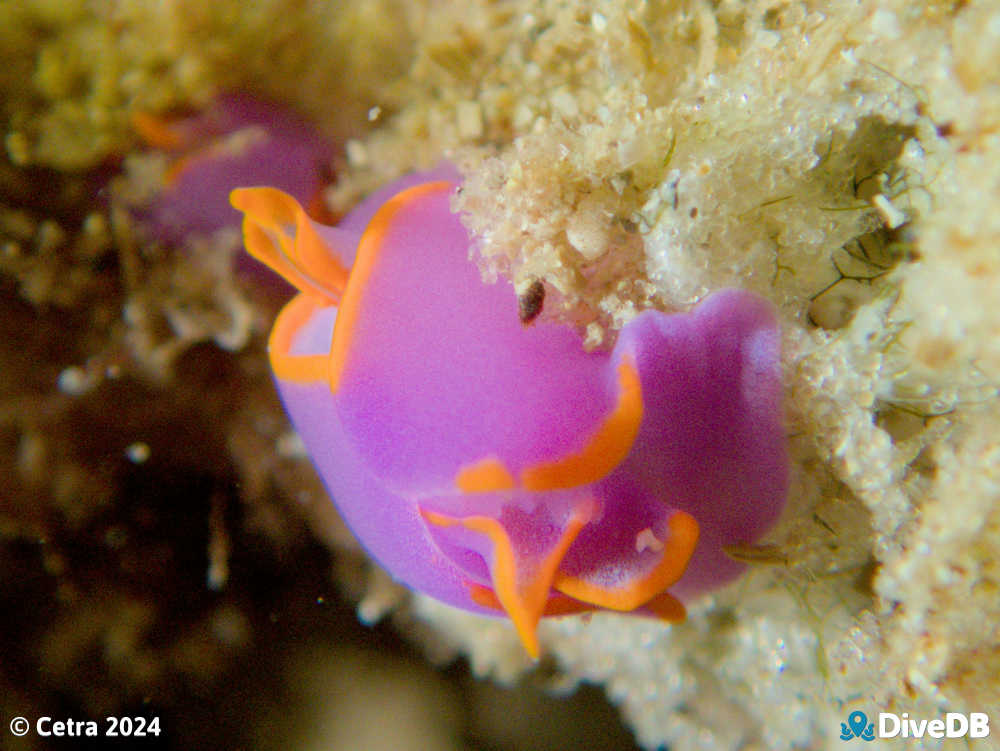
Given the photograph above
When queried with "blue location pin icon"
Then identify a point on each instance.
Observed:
(857, 721)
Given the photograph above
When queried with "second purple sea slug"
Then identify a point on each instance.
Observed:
(499, 467)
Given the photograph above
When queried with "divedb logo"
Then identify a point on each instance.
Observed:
(953, 725)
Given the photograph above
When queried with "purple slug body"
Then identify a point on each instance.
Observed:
(235, 140)
(499, 467)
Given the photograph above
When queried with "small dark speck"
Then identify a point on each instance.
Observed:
(694, 212)
(629, 226)
(529, 305)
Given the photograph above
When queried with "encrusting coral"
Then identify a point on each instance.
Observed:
(837, 158)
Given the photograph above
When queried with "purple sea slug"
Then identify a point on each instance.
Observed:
(236, 140)
(497, 466)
